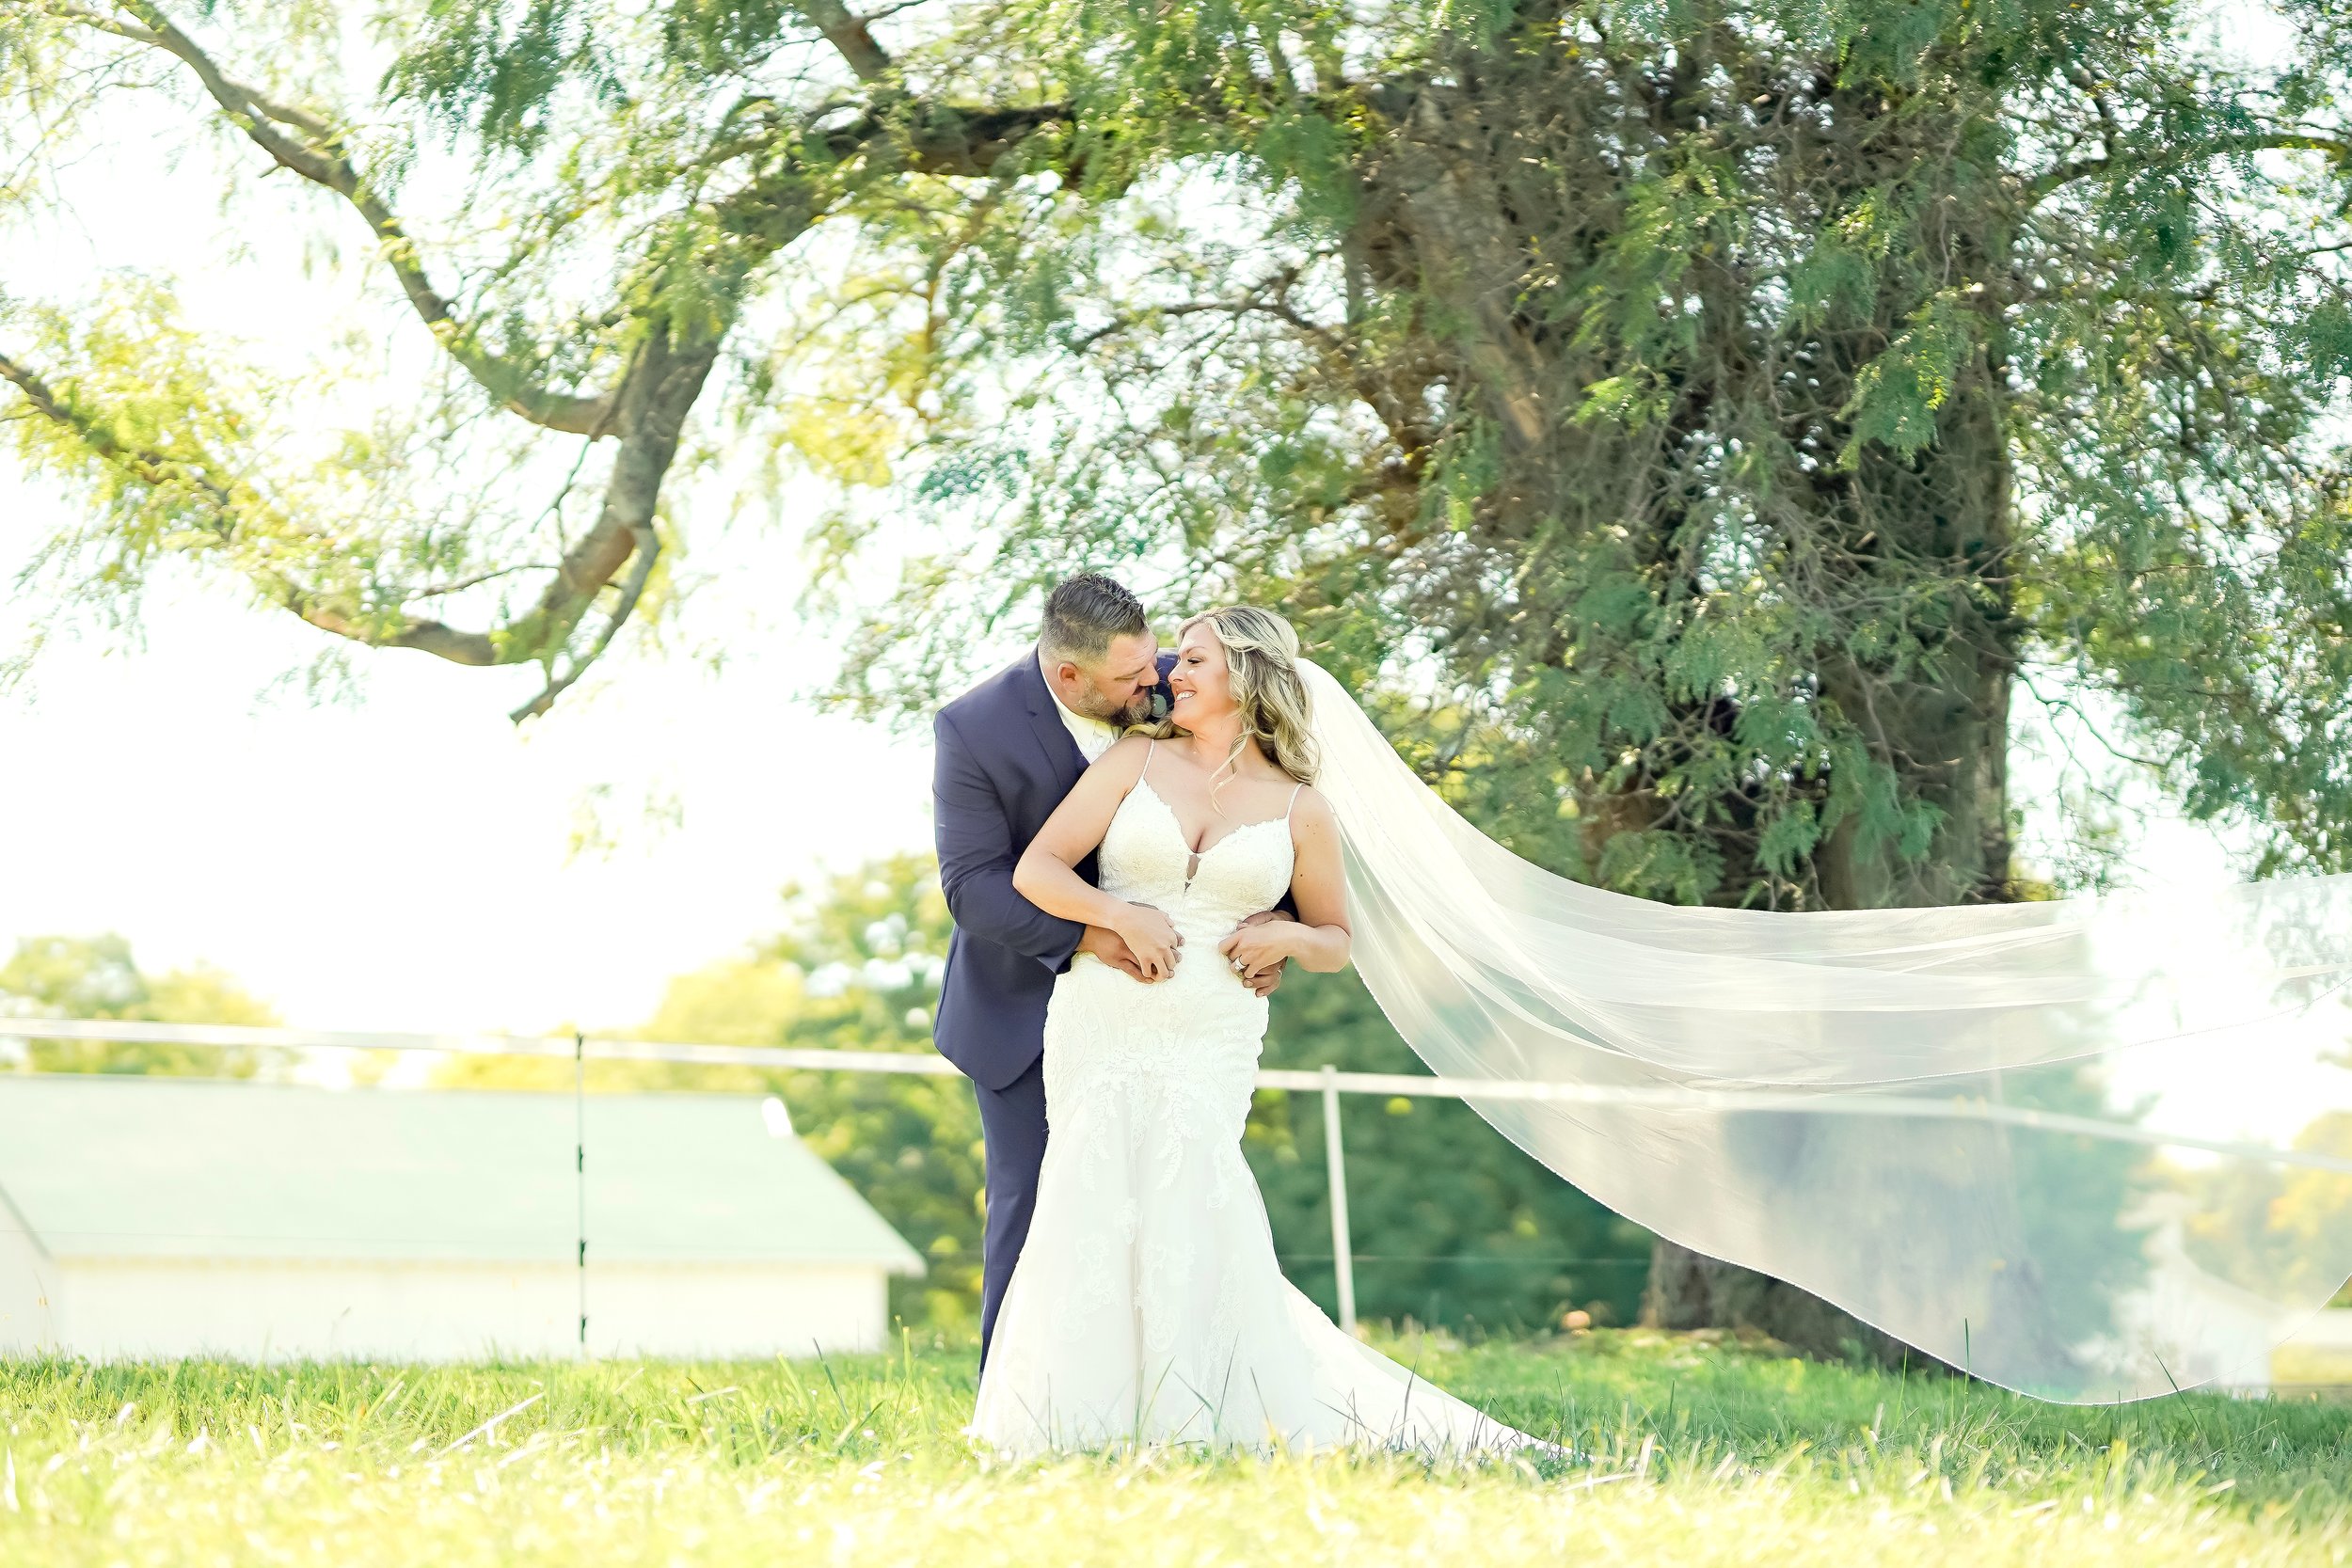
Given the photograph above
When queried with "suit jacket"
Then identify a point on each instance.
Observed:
(1005, 761)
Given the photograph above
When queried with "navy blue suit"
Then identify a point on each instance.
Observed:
(1005, 761)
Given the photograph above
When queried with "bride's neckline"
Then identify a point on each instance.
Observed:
(1200, 857)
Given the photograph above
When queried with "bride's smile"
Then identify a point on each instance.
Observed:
(1198, 683)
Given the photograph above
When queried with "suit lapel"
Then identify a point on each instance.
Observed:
(1061, 751)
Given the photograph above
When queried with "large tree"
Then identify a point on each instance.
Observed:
(1704, 416)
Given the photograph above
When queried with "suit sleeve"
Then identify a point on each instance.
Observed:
(976, 855)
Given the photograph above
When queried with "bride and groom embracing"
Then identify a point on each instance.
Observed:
(1985, 1129)
(1132, 845)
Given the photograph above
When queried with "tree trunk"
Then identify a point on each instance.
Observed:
(1689, 1290)
(1945, 726)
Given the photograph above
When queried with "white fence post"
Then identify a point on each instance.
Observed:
(579, 1171)
(1335, 1162)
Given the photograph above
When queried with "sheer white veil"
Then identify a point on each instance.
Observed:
(2091, 1149)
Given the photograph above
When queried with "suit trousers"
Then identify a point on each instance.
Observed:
(1012, 1129)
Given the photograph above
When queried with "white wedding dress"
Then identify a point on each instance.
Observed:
(1148, 1306)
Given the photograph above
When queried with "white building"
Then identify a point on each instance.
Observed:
(155, 1217)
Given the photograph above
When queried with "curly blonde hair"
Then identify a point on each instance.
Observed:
(1261, 669)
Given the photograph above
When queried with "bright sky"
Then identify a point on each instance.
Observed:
(406, 862)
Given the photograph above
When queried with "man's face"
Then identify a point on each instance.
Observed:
(1118, 689)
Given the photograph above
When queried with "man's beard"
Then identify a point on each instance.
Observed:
(1094, 706)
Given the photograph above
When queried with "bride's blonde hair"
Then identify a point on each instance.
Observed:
(1262, 673)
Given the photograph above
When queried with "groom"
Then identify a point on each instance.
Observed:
(1010, 749)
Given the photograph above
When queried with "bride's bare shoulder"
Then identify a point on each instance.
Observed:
(1124, 760)
(1312, 811)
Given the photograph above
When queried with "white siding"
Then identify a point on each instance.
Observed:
(27, 1283)
(735, 1309)
(265, 1310)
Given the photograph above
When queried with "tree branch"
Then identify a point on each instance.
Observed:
(438, 589)
(664, 379)
(646, 407)
(1266, 298)
(648, 550)
(65, 12)
(316, 154)
(661, 386)
(2338, 151)
(848, 35)
(149, 468)
(161, 471)
(943, 138)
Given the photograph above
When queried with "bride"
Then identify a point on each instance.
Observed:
(1148, 1305)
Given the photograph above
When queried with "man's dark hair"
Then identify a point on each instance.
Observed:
(1084, 614)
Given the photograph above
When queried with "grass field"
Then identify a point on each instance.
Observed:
(1701, 1453)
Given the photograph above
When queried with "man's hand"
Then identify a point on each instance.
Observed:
(1261, 980)
(1109, 946)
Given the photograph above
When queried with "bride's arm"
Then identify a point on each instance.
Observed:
(1047, 876)
(1319, 938)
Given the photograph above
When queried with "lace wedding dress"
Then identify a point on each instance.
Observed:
(1148, 1306)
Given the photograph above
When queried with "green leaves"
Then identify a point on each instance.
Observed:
(97, 977)
(494, 68)
(1899, 395)
(2322, 339)
(143, 418)
(1839, 278)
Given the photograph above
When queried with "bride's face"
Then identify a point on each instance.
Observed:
(1199, 683)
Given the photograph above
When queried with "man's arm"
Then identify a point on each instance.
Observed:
(976, 855)
(1048, 872)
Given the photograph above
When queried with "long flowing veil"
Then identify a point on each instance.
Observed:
(2091, 1149)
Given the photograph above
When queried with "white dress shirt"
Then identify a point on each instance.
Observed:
(1094, 736)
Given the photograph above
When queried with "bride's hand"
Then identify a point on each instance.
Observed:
(1262, 944)
(1153, 938)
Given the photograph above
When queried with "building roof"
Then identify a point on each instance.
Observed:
(119, 1165)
